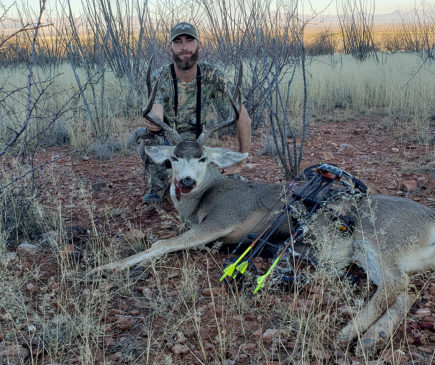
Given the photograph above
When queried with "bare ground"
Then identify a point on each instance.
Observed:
(104, 197)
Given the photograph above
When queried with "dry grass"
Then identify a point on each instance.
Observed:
(178, 314)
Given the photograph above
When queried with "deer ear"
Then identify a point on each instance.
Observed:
(223, 157)
(159, 154)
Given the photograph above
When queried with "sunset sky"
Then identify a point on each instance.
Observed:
(381, 7)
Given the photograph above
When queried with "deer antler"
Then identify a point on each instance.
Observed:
(206, 133)
(171, 134)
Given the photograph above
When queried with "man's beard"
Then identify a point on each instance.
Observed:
(186, 63)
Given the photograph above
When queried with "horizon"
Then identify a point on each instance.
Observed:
(308, 7)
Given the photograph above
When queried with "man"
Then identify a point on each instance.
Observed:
(185, 84)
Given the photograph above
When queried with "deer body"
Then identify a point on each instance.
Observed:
(392, 238)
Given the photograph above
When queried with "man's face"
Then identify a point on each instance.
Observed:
(184, 51)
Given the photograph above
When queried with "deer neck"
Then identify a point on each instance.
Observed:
(188, 204)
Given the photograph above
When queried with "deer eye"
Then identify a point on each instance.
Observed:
(203, 159)
(173, 158)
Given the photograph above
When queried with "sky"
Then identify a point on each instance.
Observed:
(381, 6)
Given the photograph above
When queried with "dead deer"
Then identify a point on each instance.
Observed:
(393, 237)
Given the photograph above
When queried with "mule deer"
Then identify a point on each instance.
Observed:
(393, 237)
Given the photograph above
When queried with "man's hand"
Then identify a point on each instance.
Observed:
(151, 126)
(235, 169)
(156, 113)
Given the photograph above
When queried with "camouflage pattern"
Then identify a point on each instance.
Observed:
(215, 104)
(156, 175)
(215, 107)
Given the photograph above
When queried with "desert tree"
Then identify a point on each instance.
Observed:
(356, 19)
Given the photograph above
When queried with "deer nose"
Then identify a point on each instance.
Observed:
(188, 182)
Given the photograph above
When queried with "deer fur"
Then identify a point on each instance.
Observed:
(393, 237)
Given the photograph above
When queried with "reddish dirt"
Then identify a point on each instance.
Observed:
(113, 189)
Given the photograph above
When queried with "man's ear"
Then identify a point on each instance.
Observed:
(223, 157)
(159, 154)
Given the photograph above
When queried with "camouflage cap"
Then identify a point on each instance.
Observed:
(183, 28)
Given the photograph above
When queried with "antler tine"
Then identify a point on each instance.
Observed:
(170, 133)
(231, 118)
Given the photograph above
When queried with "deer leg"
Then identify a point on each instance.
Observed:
(381, 331)
(196, 237)
(387, 292)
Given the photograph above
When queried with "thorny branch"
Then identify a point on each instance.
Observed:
(30, 106)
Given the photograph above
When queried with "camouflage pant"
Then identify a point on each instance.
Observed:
(156, 175)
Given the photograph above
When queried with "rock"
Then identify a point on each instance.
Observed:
(31, 288)
(423, 312)
(147, 293)
(408, 186)
(344, 146)
(395, 150)
(427, 350)
(258, 332)
(269, 335)
(204, 333)
(180, 349)
(248, 346)
(395, 357)
(321, 354)
(28, 250)
(327, 155)
(208, 292)
(125, 323)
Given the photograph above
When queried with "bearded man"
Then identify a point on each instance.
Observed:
(191, 94)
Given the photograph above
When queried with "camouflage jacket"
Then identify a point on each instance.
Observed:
(215, 104)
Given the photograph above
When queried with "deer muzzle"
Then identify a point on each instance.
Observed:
(185, 186)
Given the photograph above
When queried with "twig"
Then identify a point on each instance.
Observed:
(29, 84)
(33, 169)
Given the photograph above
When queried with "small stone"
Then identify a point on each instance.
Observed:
(31, 288)
(423, 312)
(147, 293)
(269, 335)
(204, 333)
(321, 354)
(395, 357)
(395, 150)
(125, 323)
(327, 155)
(180, 349)
(208, 292)
(408, 186)
(248, 346)
(258, 332)
(344, 146)
(28, 250)
(426, 350)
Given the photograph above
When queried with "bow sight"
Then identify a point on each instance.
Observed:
(324, 183)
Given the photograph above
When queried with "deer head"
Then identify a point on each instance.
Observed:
(190, 160)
